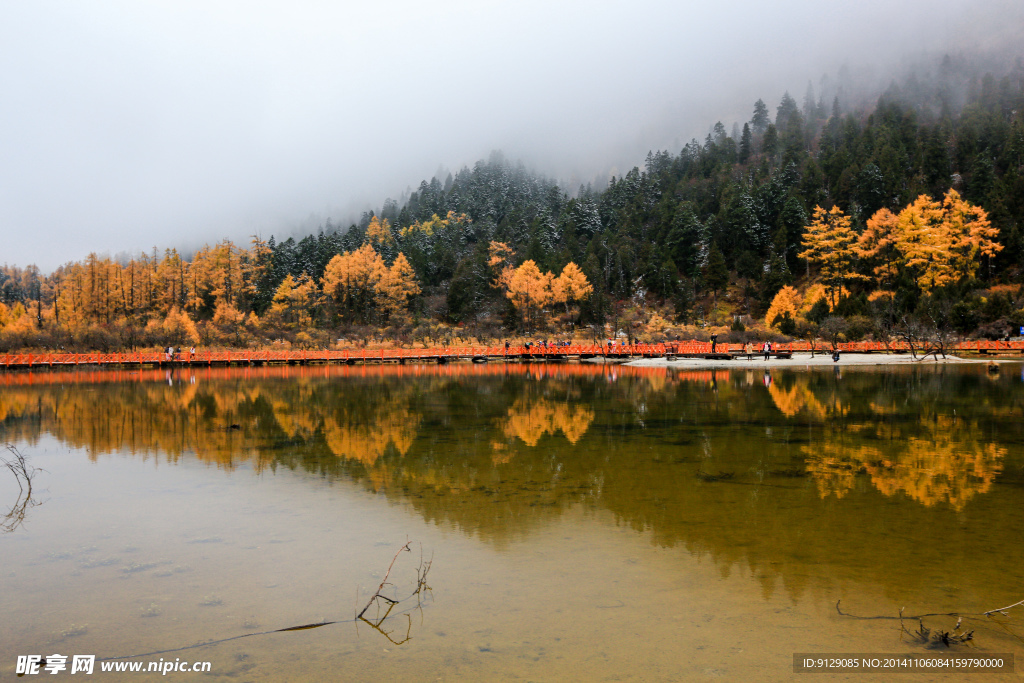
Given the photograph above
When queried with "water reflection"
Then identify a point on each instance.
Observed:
(498, 451)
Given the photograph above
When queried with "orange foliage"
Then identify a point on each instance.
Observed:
(530, 420)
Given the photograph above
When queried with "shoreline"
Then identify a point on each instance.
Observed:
(803, 359)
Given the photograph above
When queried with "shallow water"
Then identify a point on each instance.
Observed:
(584, 523)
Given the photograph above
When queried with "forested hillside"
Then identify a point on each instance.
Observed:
(812, 219)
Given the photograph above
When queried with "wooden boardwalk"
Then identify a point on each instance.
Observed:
(478, 354)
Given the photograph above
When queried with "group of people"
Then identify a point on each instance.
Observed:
(541, 343)
(767, 348)
(171, 353)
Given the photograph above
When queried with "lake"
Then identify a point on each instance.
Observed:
(573, 522)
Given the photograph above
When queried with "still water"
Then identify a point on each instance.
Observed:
(582, 523)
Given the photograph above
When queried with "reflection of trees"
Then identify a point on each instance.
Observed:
(501, 453)
(796, 398)
(530, 420)
(928, 471)
(920, 449)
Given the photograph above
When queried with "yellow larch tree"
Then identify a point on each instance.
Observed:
(829, 241)
(971, 234)
(256, 265)
(170, 282)
(396, 286)
(529, 290)
(877, 245)
(350, 281)
(378, 233)
(435, 224)
(294, 301)
(786, 301)
(924, 244)
(499, 260)
(571, 286)
(941, 243)
(225, 272)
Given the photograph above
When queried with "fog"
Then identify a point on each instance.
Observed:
(127, 125)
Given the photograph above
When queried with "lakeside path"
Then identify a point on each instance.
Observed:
(802, 359)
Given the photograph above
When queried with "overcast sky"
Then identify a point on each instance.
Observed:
(125, 125)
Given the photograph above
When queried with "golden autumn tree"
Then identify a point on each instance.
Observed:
(170, 282)
(571, 286)
(529, 290)
(923, 244)
(224, 272)
(378, 233)
(971, 234)
(786, 302)
(942, 243)
(294, 301)
(829, 241)
(436, 224)
(350, 281)
(395, 286)
(877, 245)
(499, 260)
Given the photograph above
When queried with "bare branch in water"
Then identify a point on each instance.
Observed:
(925, 636)
(421, 586)
(23, 474)
(1002, 610)
(383, 583)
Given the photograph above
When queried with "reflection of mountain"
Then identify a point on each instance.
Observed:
(822, 471)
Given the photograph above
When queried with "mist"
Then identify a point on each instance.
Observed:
(125, 125)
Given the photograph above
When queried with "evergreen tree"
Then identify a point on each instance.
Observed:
(716, 272)
(746, 144)
(759, 121)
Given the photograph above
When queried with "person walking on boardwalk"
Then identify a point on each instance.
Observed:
(714, 342)
(767, 349)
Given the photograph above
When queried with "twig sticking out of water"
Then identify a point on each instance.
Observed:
(383, 583)
(23, 474)
(924, 636)
(955, 637)
(421, 587)
(1002, 610)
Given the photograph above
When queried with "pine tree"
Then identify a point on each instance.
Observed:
(746, 144)
(759, 122)
(716, 273)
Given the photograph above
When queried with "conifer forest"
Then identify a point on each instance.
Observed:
(829, 217)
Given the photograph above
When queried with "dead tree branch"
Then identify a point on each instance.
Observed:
(924, 635)
(376, 623)
(383, 583)
(23, 474)
(1002, 610)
